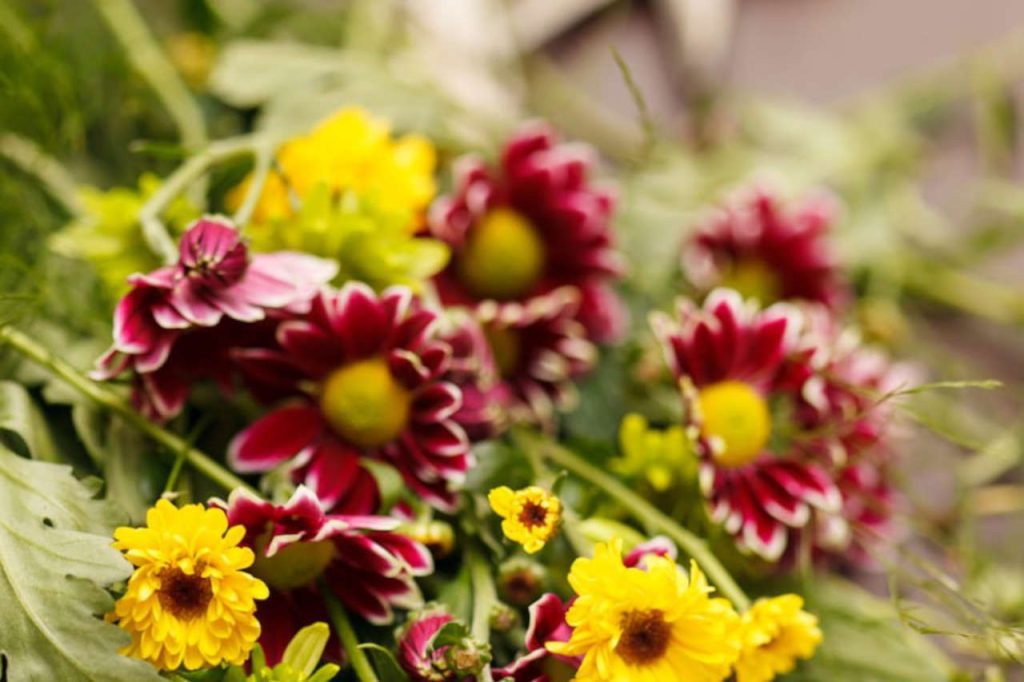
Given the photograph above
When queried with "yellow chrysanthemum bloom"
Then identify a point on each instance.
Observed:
(531, 515)
(647, 624)
(188, 603)
(350, 152)
(776, 632)
(662, 457)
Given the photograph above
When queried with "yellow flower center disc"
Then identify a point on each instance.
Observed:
(754, 279)
(503, 257)
(364, 403)
(735, 414)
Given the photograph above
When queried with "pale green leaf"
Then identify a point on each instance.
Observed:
(55, 556)
(21, 419)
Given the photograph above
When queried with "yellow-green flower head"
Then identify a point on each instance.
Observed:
(647, 624)
(188, 603)
(531, 515)
(109, 236)
(776, 632)
(662, 457)
(350, 152)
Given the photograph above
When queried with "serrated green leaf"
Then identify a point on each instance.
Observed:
(22, 420)
(55, 558)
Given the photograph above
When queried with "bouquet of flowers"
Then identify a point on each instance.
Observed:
(382, 375)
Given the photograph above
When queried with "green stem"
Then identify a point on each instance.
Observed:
(654, 520)
(32, 160)
(485, 597)
(264, 153)
(347, 635)
(149, 216)
(173, 445)
(962, 291)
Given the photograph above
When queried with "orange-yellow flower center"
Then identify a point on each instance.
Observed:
(754, 279)
(295, 565)
(505, 346)
(736, 419)
(503, 257)
(363, 402)
(645, 637)
(185, 596)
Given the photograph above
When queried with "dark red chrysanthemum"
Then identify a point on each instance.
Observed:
(366, 565)
(361, 375)
(764, 250)
(537, 664)
(732, 361)
(533, 224)
(177, 323)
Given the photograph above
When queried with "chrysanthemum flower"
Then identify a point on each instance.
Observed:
(540, 349)
(647, 625)
(537, 664)
(776, 632)
(730, 359)
(349, 152)
(532, 225)
(764, 250)
(424, 659)
(189, 602)
(368, 566)
(473, 369)
(175, 325)
(365, 377)
(663, 458)
(531, 515)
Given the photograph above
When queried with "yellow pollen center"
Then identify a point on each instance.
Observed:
(505, 347)
(736, 415)
(296, 565)
(754, 279)
(503, 257)
(645, 637)
(363, 402)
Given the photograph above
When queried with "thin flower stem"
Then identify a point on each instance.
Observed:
(652, 519)
(153, 229)
(173, 445)
(264, 153)
(343, 628)
(484, 599)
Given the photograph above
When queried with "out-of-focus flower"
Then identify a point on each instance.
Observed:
(369, 567)
(663, 458)
(365, 377)
(531, 516)
(537, 664)
(753, 244)
(108, 234)
(731, 360)
(189, 602)
(532, 225)
(520, 580)
(539, 349)
(473, 369)
(659, 546)
(647, 624)
(434, 647)
(216, 289)
(776, 632)
(349, 153)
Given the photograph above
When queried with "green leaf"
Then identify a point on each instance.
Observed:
(864, 640)
(55, 556)
(306, 647)
(384, 663)
(21, 421)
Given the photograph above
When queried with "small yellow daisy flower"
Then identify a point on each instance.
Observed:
(776, 632)
(662, 457)
(647, 624)
(188, 602)
(531, 515)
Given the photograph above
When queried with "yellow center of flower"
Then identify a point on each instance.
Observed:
(754, 279)
(185, 596)
(737, 417)
(364, 403)
(503, 257)
(505, 346)
(296, 565)
(645, 637)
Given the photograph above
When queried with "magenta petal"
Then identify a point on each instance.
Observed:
(274, 438)
(134, 329)
(360, 321)
(436, 402)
